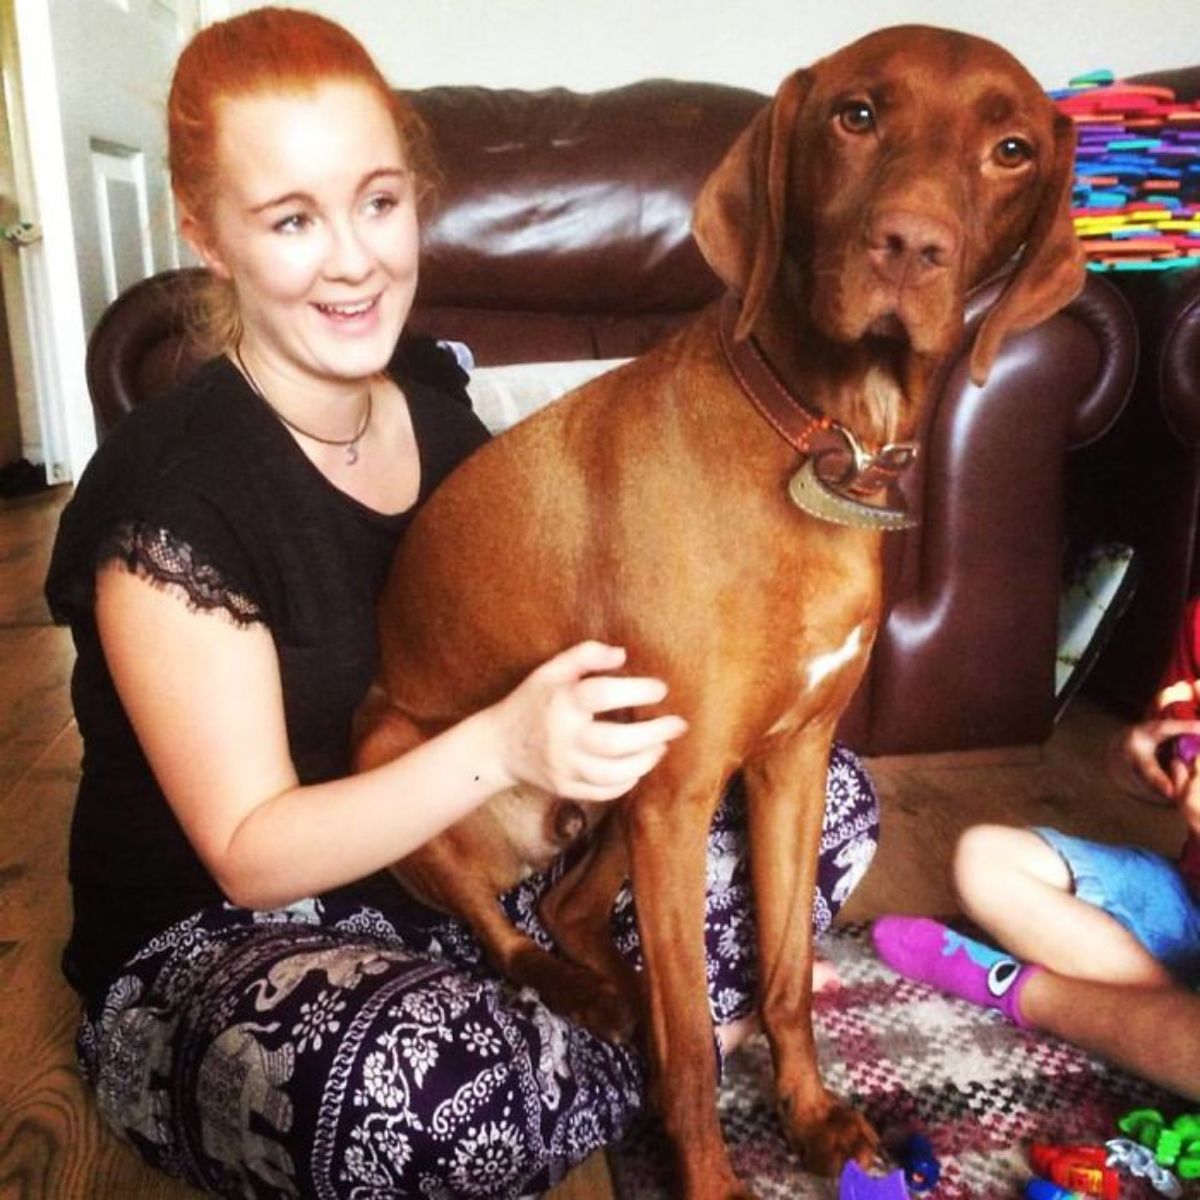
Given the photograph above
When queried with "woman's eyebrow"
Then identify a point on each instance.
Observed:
(371, 176)
(301, 197)
(286, 198)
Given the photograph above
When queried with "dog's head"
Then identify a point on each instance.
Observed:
(886, 180)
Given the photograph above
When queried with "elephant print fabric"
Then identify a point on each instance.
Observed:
(335, 1050)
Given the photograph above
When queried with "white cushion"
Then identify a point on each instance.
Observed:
(502, 396)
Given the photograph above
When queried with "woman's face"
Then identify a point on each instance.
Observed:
(315, 224)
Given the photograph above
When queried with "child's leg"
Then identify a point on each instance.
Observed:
(930, 952)
(1049, 901)
(1152, 1032)
(1019, 887)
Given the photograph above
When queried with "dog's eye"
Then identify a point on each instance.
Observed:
(1012, 152)
(857, 116)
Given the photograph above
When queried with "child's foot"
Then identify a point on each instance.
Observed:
(932, 953)
(825, 976)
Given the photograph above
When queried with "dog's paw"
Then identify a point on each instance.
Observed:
(596, 1001)
(607, 1009)
(830, 1135)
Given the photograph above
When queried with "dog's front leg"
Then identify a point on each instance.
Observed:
(785, 790)
(667, 833)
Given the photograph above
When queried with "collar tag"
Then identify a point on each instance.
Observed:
(811, 494)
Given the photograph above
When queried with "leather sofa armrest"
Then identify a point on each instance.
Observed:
(1172, 336)
(141, 347)
(1167, 306)
(966, 651)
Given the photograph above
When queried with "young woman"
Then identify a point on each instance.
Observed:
(267, 1013)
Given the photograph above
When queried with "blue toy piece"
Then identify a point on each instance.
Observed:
(856, 1184)
(921, 1167)
(1043, 1189)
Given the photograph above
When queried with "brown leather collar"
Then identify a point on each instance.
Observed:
(839, 470)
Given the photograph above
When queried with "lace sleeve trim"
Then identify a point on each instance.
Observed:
(166, 561)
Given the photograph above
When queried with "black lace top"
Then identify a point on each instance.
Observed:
(205, 493)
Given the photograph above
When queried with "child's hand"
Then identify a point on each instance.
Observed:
(1189, 804)
(1137, 761)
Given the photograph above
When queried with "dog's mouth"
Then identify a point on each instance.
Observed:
(889, 328)
(898, 329)
(884, 321)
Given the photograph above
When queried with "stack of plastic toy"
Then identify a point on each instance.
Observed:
(1137, 174)
(1165, 1155)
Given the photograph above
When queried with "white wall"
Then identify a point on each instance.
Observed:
(590, 44)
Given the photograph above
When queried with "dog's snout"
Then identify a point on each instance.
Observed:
(909, 248)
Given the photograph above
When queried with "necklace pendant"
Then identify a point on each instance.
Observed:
(351, 454)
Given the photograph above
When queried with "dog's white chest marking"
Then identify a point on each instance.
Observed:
(824, 665)
(816, 670)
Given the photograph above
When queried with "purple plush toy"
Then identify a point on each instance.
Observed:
(856, 1184)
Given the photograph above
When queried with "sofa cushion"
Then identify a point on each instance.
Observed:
(561, 227)
(502, 396)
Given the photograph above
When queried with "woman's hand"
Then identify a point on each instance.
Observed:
(548, 734)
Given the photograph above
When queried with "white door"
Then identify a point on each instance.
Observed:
(93, 78)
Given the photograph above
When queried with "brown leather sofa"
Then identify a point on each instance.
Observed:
(562, 232)
(1140, 483)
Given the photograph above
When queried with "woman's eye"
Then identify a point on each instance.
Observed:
(857, 116)
(292, 223)
(1012, 152)
(382, 203)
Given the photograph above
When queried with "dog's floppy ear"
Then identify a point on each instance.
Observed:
(1050, 271)
(741, 210)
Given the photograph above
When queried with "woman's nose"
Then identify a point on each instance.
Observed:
(349, 256)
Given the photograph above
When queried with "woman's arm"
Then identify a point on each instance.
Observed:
(204, 697)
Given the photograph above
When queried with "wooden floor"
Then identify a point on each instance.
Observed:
(52, 1146)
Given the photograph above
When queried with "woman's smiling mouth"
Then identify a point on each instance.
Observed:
(349, 310)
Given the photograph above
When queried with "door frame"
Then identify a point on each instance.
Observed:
(48, 334)
(50, 355)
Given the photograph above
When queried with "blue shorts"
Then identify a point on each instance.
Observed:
(1142, 890)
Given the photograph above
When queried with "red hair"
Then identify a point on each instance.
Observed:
(265, 50)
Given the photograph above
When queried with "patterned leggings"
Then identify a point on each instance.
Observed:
(334, 1050)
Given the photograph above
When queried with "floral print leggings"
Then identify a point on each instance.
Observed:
(335, 1050)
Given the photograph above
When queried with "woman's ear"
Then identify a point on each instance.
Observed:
(197, 235)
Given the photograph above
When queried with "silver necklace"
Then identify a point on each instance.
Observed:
(350, 444)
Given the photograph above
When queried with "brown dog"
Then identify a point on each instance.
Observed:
(736, 557)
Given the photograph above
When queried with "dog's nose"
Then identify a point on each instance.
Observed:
(908, 248)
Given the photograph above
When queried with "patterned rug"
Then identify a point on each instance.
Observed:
(915, 1062)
